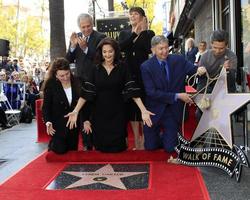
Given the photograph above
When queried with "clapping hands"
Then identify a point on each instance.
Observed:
(141, 26)
(77, 39)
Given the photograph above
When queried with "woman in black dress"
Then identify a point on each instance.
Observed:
(135, 43)
(108, 85)
(60, 97)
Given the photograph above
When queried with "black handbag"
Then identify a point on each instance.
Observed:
(26, 115)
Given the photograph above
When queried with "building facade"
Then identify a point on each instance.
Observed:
(198, 18)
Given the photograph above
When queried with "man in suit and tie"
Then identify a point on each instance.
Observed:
(164, 81)
(83, 45)
(82, 51)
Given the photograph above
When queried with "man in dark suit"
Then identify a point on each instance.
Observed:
(164, 81)
(83, 45)
(82, 51)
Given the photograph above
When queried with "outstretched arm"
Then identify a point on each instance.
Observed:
(144, 112)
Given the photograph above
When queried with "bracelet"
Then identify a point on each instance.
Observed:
(75, 112)
(48, 123)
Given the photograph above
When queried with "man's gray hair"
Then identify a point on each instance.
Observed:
(84, 16)
(157, 39)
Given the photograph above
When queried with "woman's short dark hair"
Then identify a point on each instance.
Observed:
(138, 10)
(114, 44)
(219, 36)
(59, 64)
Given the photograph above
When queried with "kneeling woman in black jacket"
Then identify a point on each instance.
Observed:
(60, 97)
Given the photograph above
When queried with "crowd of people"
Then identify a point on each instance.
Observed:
(19, 84)
(134, 79)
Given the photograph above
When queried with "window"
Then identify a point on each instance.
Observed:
(225, 17)
(245, 12)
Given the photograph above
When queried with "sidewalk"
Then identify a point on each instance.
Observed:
(18, 147)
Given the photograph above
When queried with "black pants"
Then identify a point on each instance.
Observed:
(62, 144)
(3, 119)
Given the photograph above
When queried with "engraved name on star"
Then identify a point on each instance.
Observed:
(105, 175)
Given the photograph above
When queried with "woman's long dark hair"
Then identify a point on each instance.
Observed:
(114, 44)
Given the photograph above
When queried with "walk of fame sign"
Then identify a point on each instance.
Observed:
(112, 26)
(212, 144)
(102, 177)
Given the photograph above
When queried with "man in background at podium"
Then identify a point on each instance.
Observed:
(82, 51)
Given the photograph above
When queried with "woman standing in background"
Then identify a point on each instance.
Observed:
(135, 43)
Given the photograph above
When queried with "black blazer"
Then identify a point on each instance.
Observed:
(137, 52)
(85, 61)
(56, 106)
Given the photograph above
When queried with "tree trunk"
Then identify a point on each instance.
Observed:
(111, 5)
(57, 32)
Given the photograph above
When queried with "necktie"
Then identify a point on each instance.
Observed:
(165, 68)
(86, 38)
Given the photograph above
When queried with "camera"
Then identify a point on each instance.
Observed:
(79, 34)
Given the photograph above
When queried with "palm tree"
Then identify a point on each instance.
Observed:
(57, 31)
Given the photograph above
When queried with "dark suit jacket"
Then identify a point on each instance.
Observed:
(135, 52)
(85, 61)
(160, 93)
(191, 55)
(55, 105)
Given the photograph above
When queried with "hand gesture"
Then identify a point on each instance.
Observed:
(49, 128)
(139, 27)
(201, 71)
(71, 123)
(144, 24)
(87, 127)
(185, 98)
(145, 115)
(227, 64)
(82, 43)
(73, 40)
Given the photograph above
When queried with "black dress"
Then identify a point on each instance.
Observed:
(109, 93)
(135, 53)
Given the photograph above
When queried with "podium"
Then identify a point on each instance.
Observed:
(42, 136)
